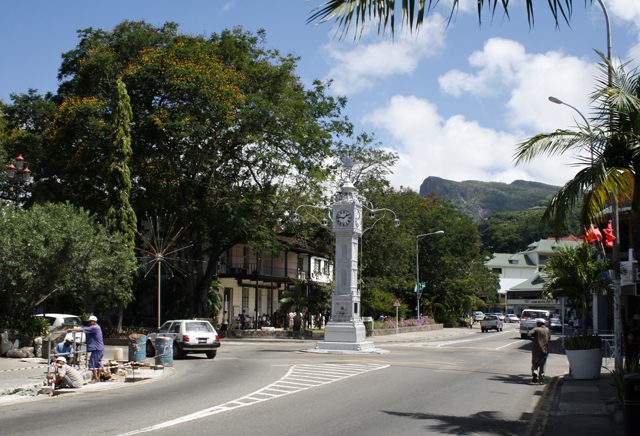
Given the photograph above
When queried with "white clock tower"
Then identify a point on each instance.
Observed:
(346, 331)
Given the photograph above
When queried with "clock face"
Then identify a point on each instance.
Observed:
(343, 217)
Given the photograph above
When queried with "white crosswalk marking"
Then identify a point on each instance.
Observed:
(298, 378)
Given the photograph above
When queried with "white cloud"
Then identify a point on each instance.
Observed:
(360, 66)
(504, 68)
(455, 148)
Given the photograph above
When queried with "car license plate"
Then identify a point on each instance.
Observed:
(202, 340)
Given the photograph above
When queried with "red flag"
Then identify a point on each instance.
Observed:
(593, 234)
(608, 231)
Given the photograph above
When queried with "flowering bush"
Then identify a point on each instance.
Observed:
(112, 332)
(389, 322)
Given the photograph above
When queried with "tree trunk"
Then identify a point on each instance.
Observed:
(120, 316)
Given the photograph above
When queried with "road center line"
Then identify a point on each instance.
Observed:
(511, 343)
(248, 400)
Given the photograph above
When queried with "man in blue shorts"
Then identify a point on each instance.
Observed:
(95, 344)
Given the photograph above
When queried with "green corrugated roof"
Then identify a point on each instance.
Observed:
(548, 246)
(507, 259)
(533, 283)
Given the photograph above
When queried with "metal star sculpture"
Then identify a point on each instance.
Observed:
(162, 251)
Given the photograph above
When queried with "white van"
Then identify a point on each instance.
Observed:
(528, 320)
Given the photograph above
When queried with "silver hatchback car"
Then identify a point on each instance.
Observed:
(189, 336)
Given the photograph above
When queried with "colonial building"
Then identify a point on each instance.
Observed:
(520, 281)
(254, 282)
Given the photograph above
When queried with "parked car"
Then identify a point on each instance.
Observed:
(57, 320)
(491, 322)
(189, 336)
(478, 316)
(555, 323)
(500, 316)
(512, 317)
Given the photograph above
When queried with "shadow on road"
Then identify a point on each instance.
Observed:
(482, 422)
(514, 379)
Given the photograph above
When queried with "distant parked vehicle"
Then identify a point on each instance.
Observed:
(491, 322)
(500, 316)
(555, 323)
(512, 317)
(189, 336)
(478, 316)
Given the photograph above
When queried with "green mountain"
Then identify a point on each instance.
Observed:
(481, 199)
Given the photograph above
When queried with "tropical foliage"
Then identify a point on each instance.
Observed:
(608, 150)
(382, 13)
(576, 273)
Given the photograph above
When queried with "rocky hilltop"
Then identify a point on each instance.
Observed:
(481, 199)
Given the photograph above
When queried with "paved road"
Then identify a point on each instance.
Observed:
(476, 383)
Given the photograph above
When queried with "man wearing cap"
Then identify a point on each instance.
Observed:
(540, 350)
(94, 344)
(67, 349)
(66, 376)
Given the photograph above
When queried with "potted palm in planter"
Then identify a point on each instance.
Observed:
(576, 273)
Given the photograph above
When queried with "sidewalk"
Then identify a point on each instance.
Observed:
(17, 384)
(582, 408)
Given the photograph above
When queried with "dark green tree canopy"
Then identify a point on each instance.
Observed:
(57, 249)
(220, 127)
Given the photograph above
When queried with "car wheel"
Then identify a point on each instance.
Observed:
(151, 352)
(211, 354)
(523, 336)
(177, 352)
(482, 330)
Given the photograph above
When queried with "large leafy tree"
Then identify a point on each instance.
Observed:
(56, 249)
(382, 13)
(451, 265)
(608, 150)
(220, 127)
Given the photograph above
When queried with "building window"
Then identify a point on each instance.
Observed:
(498, 270)
(245, 299)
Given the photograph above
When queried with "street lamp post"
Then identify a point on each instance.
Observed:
(19, 177)
(418, 293)
(586, 122)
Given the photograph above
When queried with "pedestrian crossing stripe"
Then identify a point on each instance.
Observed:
(298, 378)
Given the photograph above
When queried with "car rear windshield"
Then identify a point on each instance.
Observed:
(198, 327)
(489, 317)
(72, 320)
(532, 314)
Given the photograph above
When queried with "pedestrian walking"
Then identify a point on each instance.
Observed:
(95, 344)
(540, 351)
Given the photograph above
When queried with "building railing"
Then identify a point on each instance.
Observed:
(251, 269)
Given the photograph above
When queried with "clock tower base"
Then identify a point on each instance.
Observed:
(345, 336)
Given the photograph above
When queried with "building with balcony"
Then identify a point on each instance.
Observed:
(254, 282)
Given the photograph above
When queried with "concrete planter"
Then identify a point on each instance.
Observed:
(585, 364)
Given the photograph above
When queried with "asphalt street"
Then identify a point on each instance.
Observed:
(477, 383)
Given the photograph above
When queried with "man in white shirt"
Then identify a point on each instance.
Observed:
(66, 376)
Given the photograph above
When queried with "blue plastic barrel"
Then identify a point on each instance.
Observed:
(164, 351)
(137, 348)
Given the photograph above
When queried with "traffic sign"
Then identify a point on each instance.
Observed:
(397, 303)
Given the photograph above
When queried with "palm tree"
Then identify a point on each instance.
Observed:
(610, 150)
(413, 12)
(576, 272)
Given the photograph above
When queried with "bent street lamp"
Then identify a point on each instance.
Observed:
(418, 290)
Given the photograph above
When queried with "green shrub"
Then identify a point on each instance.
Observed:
(32, 326)
(588, 342)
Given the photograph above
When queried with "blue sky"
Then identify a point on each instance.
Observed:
(453, 100)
